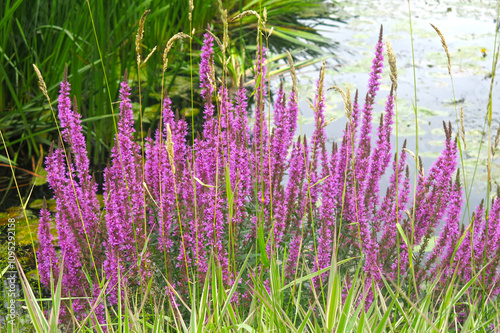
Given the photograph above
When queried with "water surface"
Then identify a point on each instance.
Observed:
(469, 29)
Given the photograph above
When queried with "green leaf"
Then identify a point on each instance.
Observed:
(190, 112)
(257, 84)
(246, 327)
(383, 322)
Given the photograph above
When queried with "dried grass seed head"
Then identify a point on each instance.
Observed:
(170, 148)
(149, 56)
(245, 13)
(41, 82)
(346, 96)
(445, 47)
(462, 127)
(191, 8)
(497, 137)
(168, 47)
(140, 36)
(392, 65)
(320, 87)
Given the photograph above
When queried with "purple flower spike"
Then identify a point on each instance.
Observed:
(124, 193)
(206, 66)
(380, 159)
(363, 151)
(72, 132)
(46, 255)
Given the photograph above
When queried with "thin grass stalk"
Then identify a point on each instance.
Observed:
(464, 171)
(138, 40)
(170, 42)
(415, 109)
(394, 80)
(191, 34)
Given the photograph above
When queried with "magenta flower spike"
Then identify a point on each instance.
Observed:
(77, 220)
(319, 153)
(393, 205)
(47, 258)
(124, 194)
(84, 188)
(72, 132)
(379, 160)
(445, 245)
(494, 228)
(433, 190)
(363, 151)
(260, 133)
(241, 134)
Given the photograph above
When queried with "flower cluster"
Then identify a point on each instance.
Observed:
(241, 185)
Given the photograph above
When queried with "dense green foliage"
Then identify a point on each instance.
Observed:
(53, 34)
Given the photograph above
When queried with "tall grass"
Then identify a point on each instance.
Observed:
(255, 229)
(54, 35)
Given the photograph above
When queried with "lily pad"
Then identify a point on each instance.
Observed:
(148, 114)
(407, 128)
(38, 204)
(426, 112)
(361, 66)
(23, 236)
(14, 213)
(190, 112)
(42, 176)
(436, 143)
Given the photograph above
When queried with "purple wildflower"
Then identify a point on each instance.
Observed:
(363, 150)
(124, 193)
(47, 259)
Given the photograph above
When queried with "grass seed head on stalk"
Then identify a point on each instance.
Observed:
(294, 77)
(445, 47)
(392, 65)
(170, 148)
(140, 36)
(497, 138)
(191, 8)
(149, 56)
(170, 43)
(462, 127)
(41, 82)
(245, 13)
(346, 96)
(225, 36)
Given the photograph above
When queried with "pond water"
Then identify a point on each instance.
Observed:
(469, 29)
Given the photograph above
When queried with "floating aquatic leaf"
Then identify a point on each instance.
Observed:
(38, 204)
(148, 113)
(190, 112)
(23, 232)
